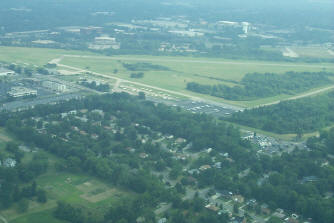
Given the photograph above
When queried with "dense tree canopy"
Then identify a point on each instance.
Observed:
(302, 115)
(121, 158)
(255, 85)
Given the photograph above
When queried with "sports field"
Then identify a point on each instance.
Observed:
(74, 189)
(78, 189)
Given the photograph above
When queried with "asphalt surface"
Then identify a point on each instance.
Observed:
(196, 61)
(15, 105)
(120, 80)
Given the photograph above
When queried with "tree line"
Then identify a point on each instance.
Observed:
(278, 181)
(255, 85)
(294, 116)
(17, 183)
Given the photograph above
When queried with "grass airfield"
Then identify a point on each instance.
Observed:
(179, 70)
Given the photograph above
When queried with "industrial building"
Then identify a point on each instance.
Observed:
(17, 92)
(54, 86)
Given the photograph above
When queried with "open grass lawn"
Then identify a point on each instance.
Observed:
(202, 70)
(181, 69)
(285, 137)
(39, 217)
(73, 188)
(190, 69)
(305, 51)
(312, 51)
(78, 189)
(32, 56)
(4, 137)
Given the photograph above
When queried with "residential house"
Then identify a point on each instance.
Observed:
(238, 219)
(205, 167)
(238, 198)
(291, 220)
(180, 140)
(226, 194)
(265, 209)
(212, 207)
(162, 220)
(193, 171)
(143, 155)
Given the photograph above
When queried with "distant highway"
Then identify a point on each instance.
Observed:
(315, 92)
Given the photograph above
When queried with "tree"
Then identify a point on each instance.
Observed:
(22, 205)
(180, 189)
(236, 209)
(141, 95)
(41, 196)
(274, 220)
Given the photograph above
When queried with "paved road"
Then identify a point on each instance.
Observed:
(300, 96)
(11, 106)
(197, 61)
(3, 219)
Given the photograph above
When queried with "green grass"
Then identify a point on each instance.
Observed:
(185, 69)
(4, 137)
(72, 188)
(312, 51)
(315, 52)
(182, 69)
(39, 217)
(33, 56)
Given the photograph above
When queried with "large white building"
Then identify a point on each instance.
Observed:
(245, 27)
(17, 92)
(54, 86)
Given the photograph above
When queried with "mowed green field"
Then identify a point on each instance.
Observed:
(190, 69)
(315, 52)
(77, 189)
(202, 70)
(72, 188)
(181, 69)
(39, 217)
(33, 56)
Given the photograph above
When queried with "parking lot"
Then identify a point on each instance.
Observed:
(44, 94)
(203, 107)
(15, 105)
